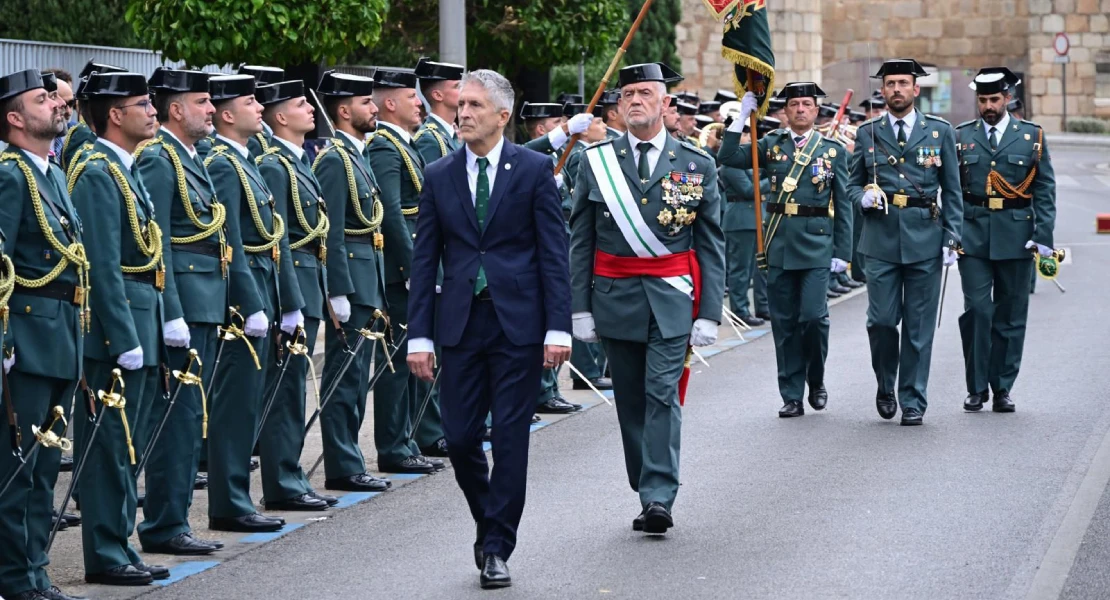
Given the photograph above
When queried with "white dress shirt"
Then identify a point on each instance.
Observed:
(358, 144)
(396, 130)
(241, 149)
(1001, 128)
(552, 338)
(125, 157)
(447, 128)
(188, 147)
(654, 153)
(805, 138)
(41, 163)
(295, 149)
(909, 121)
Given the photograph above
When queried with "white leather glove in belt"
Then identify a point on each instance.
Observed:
(838, 266)
(257, 325)
(290, 321)
(176, 333)
(132, 359)
(582, 325)
(342, 308)
(704, 333)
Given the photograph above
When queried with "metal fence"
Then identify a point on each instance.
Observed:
(16, 55)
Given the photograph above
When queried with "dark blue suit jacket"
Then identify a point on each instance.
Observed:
(523, 248)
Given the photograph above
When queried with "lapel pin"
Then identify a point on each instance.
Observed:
(623, 151)
(670, 153)
(692, 166)
(508, 166)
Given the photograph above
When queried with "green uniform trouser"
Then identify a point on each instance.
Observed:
(342, 418)
(800, 325)
(740, 258)
(906, 294)
(108, 486)
(587, 358)
(26, 508)
(859, 262)
(172, 467)
(645, 386)
(282, 438)
(992, 327)
(396, 394)
(549, 385)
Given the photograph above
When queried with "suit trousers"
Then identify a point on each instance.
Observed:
(800, 325)
(992, 327)
(486, 373)
(282, 438)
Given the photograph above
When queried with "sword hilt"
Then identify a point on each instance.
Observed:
(46, 436)
(116, 400)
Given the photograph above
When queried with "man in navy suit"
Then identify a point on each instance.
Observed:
(491, 213)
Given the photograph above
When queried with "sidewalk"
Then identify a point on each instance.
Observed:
(1079, 140)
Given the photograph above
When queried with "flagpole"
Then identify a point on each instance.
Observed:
(605, 80)
(756, 86)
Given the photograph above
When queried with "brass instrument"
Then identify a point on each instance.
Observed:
(730, 109)
(1048, 267)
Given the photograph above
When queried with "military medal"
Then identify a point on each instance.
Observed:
(789, 184)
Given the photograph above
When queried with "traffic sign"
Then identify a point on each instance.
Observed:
(1061, 44)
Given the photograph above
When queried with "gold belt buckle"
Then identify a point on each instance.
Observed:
(994, 203)
(789, 184)
(78, 295)
(900, 200)
(791, 209)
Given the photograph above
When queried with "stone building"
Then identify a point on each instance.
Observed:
(829, 41)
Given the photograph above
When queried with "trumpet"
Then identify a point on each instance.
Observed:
(729, 110)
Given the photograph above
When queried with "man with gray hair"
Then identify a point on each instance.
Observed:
(491, 213)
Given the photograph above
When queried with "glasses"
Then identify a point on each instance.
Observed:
(72, 103)
(143, 104)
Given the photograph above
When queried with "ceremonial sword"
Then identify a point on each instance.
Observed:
(44, 436)
(185, 378)
(297, 347)
(365, 333)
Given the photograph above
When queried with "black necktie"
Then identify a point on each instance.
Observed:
(901, 132)
(644, 166)
(991, 137)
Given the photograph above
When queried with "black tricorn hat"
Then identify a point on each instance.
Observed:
(768, 124)
(724, 96)
(95, 67)
(827, 110)
(573, 108)
(50, 82)
(569, 98)
(704, 120)
(994, 80)
(707, 107)
(900, 66)
(229, 87)
(775, 104)
(394, 77)
(854, 116)
(540, 110)
(800, 89)
(609, 98)
(648, 72)
(116, 85)
(342, 85)
(873, 102)
(178, 82)
(1015, 104)
(279, 92)
(685, 108)
(14, 84)
(428, 70)
(688, 97)
(264, 75)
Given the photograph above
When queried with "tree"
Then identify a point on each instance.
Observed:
(275, 32)
(97, 23)
(655, 40)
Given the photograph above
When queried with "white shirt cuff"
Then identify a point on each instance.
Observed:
(417, 345)
(553, 338)
(557, 137)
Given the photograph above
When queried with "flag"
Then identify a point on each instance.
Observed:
(746, 42)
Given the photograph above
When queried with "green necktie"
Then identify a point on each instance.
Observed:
(481, 204)
(644, 166)
(991, 136)
(901, 131)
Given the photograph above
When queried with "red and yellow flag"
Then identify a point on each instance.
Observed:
(746, 42)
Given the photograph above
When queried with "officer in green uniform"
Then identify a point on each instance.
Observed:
(355, 275)
(263, 140)
(907, 237)
(739, 225)
(439, 83)
(288, 174)
(126, 251)
(687, 121)
(1009, 190)
(199, 258)
(44, 339)
(399, 169)
(614, 122)
(643, 205)
(80, 135)
(808, 234)
(240, 379)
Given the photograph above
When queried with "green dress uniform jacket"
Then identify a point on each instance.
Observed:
(125, 253)
(76, 138)
(738, 223)
(996, 269)
(633, 314)
(46, 333)
(433, 142)
(902, 244)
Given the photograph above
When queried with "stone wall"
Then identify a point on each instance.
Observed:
(1087, 24)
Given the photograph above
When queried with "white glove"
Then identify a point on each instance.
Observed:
(291, 320)
(559, 183)
(579, 123)
(838, 266)
(748, 105)
(704, 333)
(132, 359)
(871, 199)
(9, 362)
(257, 325)
(557, 137)
(1042, 250)
(950, 256)
(342, 308)
(582, 325)
(176, 333)
(406, 285)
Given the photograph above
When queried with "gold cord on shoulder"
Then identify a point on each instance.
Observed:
(377, 210)
(277, 224)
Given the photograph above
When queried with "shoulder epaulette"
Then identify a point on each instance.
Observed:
(601, 143)
(1030, 123)
(690, 146)
(966, 123)
(936, 118)
(873, 120)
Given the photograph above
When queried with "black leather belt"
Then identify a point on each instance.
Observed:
(205, 248)
(312, 248)
(996, 202)
(55, 290)
(904, 201)
(738, 199)
(483, 295)
(360, 239)
(797, 210)
(147, 277)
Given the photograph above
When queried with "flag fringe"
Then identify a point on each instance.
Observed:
(747, 61)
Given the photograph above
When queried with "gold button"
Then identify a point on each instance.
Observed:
(351, 255)
(901, 191)
(643, 200)
(296, 263)
(901, 160)
(400, 268)
(190, 267)
(27, 310)
(992, 163)
(107, 343)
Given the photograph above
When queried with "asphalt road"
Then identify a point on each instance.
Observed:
(838, 504)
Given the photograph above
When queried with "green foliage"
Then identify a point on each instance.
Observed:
(97, 23)
(279, 32)
(1088, 125)
(564, 78)
(655, 40)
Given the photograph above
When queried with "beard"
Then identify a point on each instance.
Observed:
(197, 129)
(364, 125)
(991, 116)
(899, 103)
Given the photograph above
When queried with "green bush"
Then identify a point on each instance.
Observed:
(1088, 125)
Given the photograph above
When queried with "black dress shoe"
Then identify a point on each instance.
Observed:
(751, 321)
(201, 482)
(140, 501)
(830, 294)
(66, 465)
(791, 409)
(157, 572)
(479, 541)
(56, 594)
(766, 316)
(438, 449)
(1002, 402)
(182, 544)
(912, 416)
(638, 522)
(657, 519)
(974, 402)
(840, 289)
(330, 500)
(411, 464)
(363, 482)
(215, 543)
(851, 283)
(124, 575)
(818, 398)
(556, 406)
(886, 404)
(71, 519)
(601, 383)
(54, 522)
(436, 463)
(302, 502)
(252, 523)
(495, 573)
